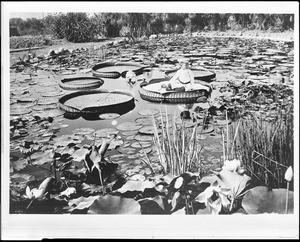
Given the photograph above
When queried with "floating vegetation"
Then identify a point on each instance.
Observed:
(205, 160)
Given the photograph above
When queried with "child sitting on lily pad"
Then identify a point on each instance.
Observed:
(183, 80)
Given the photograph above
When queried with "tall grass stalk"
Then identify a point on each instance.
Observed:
(177, 147)
(266, 146)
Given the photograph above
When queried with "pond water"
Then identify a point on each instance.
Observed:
(251, 77)
(140, 106)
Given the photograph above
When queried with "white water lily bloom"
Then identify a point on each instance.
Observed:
(178, 182)
(208, 198)
(29, 193)
(68, 192)
(231, 165)
(288, 174)
(38, 193)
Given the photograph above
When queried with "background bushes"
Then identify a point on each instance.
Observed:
(79, 27)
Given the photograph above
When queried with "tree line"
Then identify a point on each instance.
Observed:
(80, 27)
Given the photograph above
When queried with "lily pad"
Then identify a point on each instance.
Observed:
(83, 131)
(128, 126)
(19, 111)
(82, 202)
(143, 121)
(143, 137)
(141, 144)
(47, 101)
(114, 205)
(126, 133)
(131, 186)
(105, 132)
(148, 130)
(261, 199)
(109, 115)
(148, 112)
(53, 94)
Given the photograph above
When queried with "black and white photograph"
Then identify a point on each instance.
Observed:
(117, 115)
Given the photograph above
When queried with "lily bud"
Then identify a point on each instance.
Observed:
(288, 174)
(178, 182)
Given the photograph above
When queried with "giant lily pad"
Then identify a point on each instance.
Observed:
(261, 199)
(114, 205)
(97, 101)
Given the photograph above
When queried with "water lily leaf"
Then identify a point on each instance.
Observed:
(206, 210)
(83, 131)
(148, 112)
(234, 181)
(263, 200)
(154, 205)
(82, 202)
(109, 115)
(144, 121)
(19, 111)
(128, 126)
(114, 205)
(148, 130)
(131, 133)
(27, 99)
(47, 101)
(143, 137)
(43, 157)
(52, 113)
(91, 188)
(20, 164)
(80, 154)
(102, 133)
(141, 144)
(136, 186)
(114, 144)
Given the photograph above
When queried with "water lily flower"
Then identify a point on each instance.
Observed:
(178, 182)
(214, 197)
(231, 165)
(35, 193)
(288, 174)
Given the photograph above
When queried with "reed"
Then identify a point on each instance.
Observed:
(267, 146)
(177, 147)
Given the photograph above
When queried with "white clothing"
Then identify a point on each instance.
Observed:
(183, 78)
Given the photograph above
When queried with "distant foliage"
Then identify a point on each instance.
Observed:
(78, 27)
(75, 27)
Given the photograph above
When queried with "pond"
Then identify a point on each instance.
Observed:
(251, 78)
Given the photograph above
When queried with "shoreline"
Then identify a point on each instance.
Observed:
(287, 36)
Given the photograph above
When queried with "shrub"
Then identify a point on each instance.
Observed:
(75, 27)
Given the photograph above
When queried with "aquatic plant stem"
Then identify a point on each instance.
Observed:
(101, 182)
(224, 155)
(227, 135)
(287, 197)
(29, 204)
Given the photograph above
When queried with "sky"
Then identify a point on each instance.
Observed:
(27, 15)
